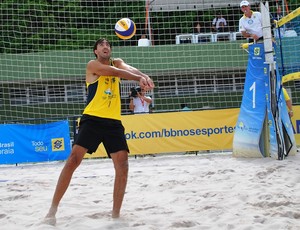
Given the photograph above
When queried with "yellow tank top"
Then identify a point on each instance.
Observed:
(285, 94)
(103, 98)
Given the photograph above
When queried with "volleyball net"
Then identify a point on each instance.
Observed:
(45, 45)
(288, 45)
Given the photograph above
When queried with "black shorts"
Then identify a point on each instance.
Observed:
(95, 130)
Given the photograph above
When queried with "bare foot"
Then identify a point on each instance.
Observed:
(115, 215)
(50, 220)
(50, 217)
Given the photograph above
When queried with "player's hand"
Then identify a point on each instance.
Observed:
(143, 83)
(150, 83)
(146, 83)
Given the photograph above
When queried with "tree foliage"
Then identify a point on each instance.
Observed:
(40, 25)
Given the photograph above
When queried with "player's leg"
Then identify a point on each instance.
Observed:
(72, 163)
(120, 160)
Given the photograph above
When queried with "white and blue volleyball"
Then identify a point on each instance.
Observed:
(125, 28)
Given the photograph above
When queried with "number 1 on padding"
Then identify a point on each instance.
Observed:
(252, 88)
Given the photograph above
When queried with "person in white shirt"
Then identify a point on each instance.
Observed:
(250, 25)
(219, 23)
(143, 41)
(140, 103)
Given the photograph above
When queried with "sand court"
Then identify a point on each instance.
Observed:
(207, 191)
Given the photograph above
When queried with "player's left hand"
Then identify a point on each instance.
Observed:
(150, 83)
(146, 83)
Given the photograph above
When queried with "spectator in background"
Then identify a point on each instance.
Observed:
(139, 102)
(278, 14)
(198, 28)
(144, 41)
(250, 25)
(288, 102)
(278, 32)
(219, 23)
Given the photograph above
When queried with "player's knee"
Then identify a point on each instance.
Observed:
(74, 161)
(120, 160)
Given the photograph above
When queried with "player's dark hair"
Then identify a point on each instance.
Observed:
(99, 41)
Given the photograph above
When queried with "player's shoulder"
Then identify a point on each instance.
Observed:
(117, 61)
(92, 64)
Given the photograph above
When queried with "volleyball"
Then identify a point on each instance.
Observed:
(125, 28)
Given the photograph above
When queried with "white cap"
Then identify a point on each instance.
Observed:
(244, 3)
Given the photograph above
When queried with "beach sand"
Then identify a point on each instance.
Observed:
(176, 191)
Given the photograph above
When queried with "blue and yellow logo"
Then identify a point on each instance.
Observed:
(257, 51)
(58, 144)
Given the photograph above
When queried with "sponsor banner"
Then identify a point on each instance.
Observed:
(296, 123)
(184, 131)
(177, 132)
(34, 143)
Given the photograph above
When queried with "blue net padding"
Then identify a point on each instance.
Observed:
(288, 47)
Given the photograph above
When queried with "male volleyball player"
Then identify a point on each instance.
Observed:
(101, 123)
(250, 25)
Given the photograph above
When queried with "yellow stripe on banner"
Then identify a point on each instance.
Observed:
(177, 132)
(289, 17)
(183, 131)
(291, 77)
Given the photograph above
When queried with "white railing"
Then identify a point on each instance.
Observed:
(185, 37)
(207, 37)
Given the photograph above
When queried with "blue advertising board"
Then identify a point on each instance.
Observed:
(249, 128)
(20, 143)
(251, 134)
